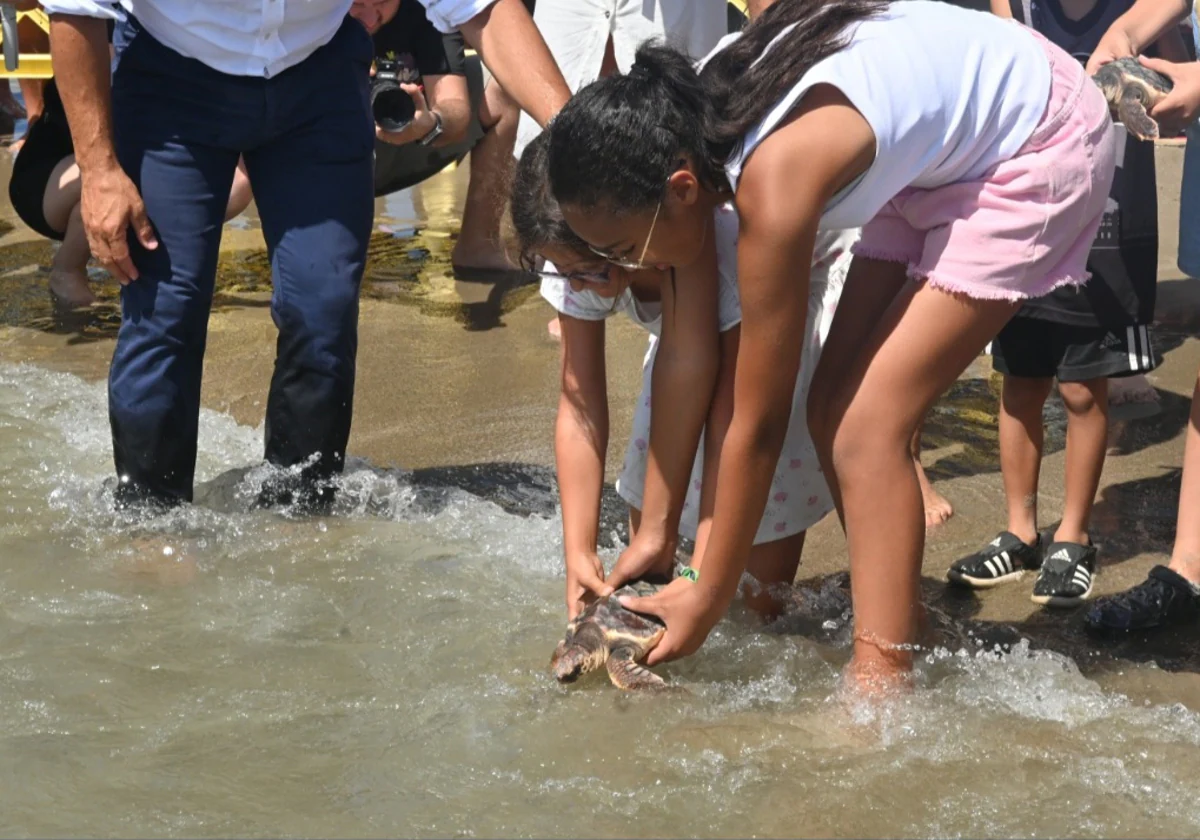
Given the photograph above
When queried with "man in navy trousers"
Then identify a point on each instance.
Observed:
(284, 84)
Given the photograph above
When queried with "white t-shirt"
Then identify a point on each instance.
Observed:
(577, 31)
(948, 92)
(589, 306)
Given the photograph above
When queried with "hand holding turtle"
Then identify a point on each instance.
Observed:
(1115, 44)
(1178, 108)
(645, 556)
(585, 582)
(690, 611)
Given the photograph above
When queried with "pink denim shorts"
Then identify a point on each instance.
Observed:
(1026, 226)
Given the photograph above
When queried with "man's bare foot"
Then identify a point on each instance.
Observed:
(554, 327)
(937, 508)
(486, 255)
(70, 288)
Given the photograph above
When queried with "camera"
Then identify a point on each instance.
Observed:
(392, 108)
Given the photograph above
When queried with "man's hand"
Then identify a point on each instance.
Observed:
(690, 611)
(109, 205)
(585, 582)
(422, 123)
(1115, 44)
(1177, 110)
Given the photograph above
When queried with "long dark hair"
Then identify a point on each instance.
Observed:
(743, 91)
(615, 143)
(536, 218)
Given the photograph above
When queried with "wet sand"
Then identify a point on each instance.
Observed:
(454, 373)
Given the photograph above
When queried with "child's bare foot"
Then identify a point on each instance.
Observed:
(555, 329)
(937, 508)
(1131, 389)
(1132, 398)
(70, 288)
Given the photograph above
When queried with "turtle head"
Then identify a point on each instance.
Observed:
(1108, 79)
(577, 654)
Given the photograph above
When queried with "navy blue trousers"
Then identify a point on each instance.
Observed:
(307, 137)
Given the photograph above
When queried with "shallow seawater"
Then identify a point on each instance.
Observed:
(383, 672)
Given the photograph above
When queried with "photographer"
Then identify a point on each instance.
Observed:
(431, 108)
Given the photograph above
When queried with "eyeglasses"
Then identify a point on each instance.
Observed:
(629, 265)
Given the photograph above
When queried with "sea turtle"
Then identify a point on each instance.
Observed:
(606, 633)
(1132, 92)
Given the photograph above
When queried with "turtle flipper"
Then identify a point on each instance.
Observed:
(1131, 110)
(627, 675)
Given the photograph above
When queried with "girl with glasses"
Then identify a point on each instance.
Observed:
(670, 465)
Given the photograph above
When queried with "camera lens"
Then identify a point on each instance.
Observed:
(392, 108)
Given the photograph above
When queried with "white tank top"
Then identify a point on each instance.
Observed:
(949, 93)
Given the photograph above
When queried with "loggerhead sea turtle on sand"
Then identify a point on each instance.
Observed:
(607, 634)
(1132, 92)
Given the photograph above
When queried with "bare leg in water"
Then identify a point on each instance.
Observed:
(888, 358)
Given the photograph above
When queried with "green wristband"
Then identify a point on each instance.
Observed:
(689, 573)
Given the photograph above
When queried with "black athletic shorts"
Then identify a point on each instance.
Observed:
(1036, 349)
(46, 144)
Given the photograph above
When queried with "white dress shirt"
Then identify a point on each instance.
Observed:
(245, 38)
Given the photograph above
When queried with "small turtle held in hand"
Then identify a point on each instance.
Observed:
(1132, 92)
(607, 634)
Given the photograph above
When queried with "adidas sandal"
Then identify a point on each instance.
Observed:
(1066, 576)
(1004, 560)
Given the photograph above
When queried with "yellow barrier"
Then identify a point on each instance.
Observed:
(31, 65)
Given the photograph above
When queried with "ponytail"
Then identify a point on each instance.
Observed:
(618, 140)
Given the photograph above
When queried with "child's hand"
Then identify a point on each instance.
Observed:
(585, 582)
(1178, 109)
(690, 611)
(1115, 44)
(643, 556)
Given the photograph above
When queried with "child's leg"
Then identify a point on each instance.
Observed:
(1087, 441)
(871, 285)
(1170, 596)
(937, 508)
(1022, 435)
(925, 339)
(1185, 557)
(241, 193)
(60, 206)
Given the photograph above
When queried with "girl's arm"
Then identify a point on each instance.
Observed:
(681, 389)
(1139, 27)
(1001, 8)
(720, 414)
(784, 189)
(580, 444)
